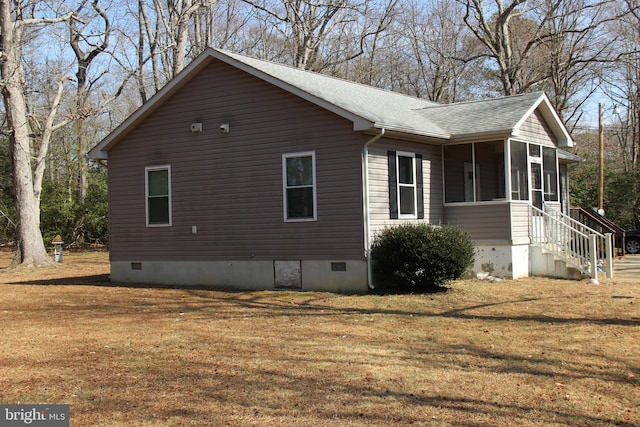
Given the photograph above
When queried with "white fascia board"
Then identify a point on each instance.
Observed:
(482, 136)
(410, 131)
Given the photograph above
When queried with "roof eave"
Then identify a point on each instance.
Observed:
(98, 155)
(565, 157)
(486, 135)
(412, 133)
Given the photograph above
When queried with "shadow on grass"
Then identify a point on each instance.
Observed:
(90, 280)
(391, 290)
(249, 386)
(264, 300)
(104, 280)
(253, 391)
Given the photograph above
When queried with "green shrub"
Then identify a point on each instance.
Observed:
(77, 222)
(421, 257)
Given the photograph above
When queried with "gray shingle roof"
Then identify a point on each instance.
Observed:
(380, 107)
(368, 107)
(485, 116)
(395, 111)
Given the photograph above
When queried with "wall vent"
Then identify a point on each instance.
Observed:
(338, 266)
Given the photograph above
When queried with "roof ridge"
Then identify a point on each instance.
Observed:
(485, 100)
(328, 76)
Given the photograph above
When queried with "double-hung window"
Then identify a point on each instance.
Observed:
(299, 182)
(405, 185)
(158, 195)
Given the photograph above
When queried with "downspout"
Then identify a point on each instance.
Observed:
(365, 207)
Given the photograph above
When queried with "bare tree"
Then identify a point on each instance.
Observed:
(622, 86)
(574, 54)
(552, 45)
(441, 49)
(515, 35)
(180, 19)
(511, 33)
(306, 25)
(232, 29)
(168, 34)
(16, 19)
(86, 49)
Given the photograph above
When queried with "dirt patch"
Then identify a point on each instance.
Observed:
(525, 352)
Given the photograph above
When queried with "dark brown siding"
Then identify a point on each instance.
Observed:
(230, 185)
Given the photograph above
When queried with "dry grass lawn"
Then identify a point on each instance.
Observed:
(516, 353)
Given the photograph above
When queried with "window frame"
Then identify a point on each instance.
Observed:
(148, 169)
(392, 172)
(536, 191)
(286, 187)
(413, 185)
(522, 172)
(475, 172)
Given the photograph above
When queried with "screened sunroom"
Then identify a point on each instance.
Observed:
(475, 173)
(493, 205)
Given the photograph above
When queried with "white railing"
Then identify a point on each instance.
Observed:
(570, 240)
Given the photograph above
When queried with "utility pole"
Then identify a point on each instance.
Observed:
(601, 152)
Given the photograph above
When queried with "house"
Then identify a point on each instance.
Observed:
(248, 174)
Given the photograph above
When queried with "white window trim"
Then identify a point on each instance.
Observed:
(414, 185)
(146, 194)
(313, 186)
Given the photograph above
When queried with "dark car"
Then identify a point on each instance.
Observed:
(632, 242)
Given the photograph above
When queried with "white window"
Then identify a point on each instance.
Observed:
(407, 189)
(158, 195)
(299, 182)
(406, 185)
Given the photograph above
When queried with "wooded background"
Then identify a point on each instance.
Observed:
(71, 71)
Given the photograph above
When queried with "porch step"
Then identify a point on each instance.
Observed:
(547, 264)
(559, 258)
(569, 245)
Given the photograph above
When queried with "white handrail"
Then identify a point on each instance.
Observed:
(568, 239)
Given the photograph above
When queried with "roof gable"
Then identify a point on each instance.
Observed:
(367, 107)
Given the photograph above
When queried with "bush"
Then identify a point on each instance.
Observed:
(76, 222)
(421, 257)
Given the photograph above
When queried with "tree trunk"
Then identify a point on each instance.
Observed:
(30, 249)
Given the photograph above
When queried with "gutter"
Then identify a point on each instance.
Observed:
(365, 205)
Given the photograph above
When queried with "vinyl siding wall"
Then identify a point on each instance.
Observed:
(379, 182)
(536, 130)
(229, 186)
(520, 222)
(488, 222)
